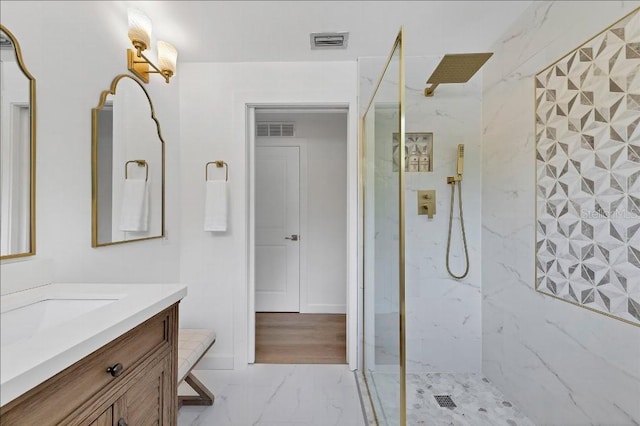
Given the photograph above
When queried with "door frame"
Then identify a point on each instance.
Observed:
(300, 143)
(353, 277)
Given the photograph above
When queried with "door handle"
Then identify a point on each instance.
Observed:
(293, 237)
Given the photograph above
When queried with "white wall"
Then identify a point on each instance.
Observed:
(443, 315)
(561, 364)
(74, 50)
(325, 137)
(213, 111)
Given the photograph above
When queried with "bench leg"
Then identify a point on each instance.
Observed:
(205, 397)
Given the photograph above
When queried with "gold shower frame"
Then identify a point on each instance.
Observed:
(399, 45)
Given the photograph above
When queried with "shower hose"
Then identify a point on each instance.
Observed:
(464, 235)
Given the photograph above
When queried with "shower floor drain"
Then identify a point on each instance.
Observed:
(445, 401)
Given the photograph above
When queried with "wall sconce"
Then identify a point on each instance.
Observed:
(140, 36)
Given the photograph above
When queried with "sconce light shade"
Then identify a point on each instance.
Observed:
(139, 29)
(137, 62)
(167, 57)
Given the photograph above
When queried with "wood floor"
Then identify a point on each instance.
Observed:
(292, 338)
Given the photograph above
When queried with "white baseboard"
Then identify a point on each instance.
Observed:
(323, 309)
(215, 362)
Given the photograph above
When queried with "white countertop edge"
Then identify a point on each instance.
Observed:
(28, 363)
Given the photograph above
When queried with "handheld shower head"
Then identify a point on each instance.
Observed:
(460, 159)
(459, 166)
(453, 180)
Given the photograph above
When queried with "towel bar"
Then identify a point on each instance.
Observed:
(218, 163)
(141, 163)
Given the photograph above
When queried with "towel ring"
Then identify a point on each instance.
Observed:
(141, 163)
(218, 163)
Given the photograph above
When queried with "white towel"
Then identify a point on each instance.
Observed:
(135, 205)
(215, 206)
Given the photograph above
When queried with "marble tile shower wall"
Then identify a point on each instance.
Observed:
(443, 315)
(560, 363)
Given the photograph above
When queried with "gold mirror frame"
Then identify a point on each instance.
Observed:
(32, 147)
(94, 163)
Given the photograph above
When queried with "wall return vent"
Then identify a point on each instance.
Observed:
(329, 40)
(277, 129)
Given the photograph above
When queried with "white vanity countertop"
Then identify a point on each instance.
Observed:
(31, 360)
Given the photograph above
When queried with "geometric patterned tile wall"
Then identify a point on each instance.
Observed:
(588, 174)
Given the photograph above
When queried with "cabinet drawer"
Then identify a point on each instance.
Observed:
(142, 401)
(55, 399)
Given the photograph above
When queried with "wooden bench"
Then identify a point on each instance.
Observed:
(192, 345)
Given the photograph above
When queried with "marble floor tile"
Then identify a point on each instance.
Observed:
(385, 389)
(278, 394)
(478, 402)
(367, 403)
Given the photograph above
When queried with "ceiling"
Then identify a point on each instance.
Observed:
(244, 31)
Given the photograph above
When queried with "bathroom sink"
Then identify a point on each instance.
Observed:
(45, 329)
(25, 321)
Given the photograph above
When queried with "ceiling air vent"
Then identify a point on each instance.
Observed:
(5, 42)
(277, 129)
(329, 40)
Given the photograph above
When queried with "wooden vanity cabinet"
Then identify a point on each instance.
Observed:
(131, 381)
(142, 403)
(105, 419)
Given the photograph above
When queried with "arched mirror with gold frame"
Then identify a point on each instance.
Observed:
(17, 151)
(127, 166)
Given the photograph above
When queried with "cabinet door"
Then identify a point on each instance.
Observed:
(149, 400)
(104, 419)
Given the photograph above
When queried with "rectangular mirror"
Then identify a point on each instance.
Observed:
(127, 166)
(17, 151)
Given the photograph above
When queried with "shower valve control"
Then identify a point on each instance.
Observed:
(427, 203)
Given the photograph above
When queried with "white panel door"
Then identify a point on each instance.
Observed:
(277, 216)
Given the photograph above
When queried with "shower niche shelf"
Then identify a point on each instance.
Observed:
(418, 152)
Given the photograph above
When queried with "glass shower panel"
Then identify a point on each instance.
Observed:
(383, 174)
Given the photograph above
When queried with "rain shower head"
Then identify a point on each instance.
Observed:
(456, 68)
